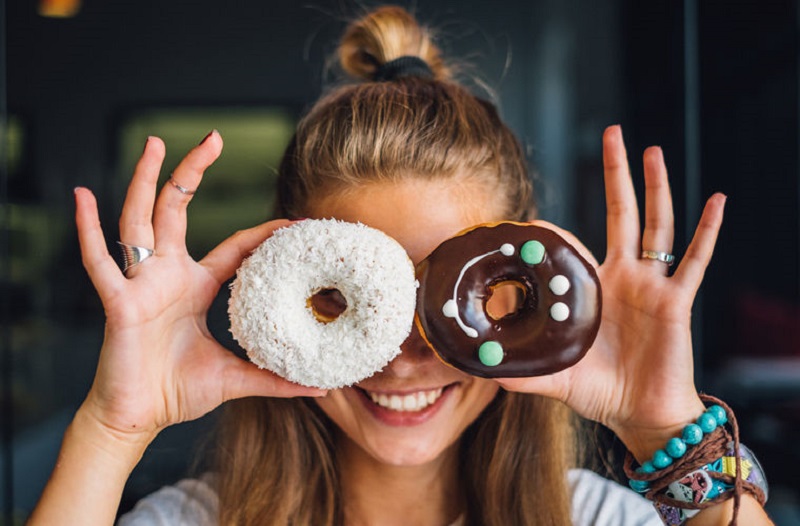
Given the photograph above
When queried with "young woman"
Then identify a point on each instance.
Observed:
(406, 150)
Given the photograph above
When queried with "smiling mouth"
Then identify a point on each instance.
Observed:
(410, 402)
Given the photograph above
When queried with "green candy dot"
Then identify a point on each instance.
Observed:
(532, 252)
(490, 353)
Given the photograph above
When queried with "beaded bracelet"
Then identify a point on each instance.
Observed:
(701, 468)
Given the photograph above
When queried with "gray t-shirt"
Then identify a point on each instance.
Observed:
(596, 501)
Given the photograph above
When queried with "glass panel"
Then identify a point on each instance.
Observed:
(238, 190)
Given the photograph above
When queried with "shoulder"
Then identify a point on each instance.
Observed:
(597, 501)
(190, 502)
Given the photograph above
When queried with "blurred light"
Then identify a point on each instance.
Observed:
(59, 8)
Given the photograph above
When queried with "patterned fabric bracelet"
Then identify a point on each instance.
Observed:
(702, 486)
(703, 467)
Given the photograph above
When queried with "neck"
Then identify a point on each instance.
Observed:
(377, 493)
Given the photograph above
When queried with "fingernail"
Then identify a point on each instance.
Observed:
(206, 137)
(659, 153)
(145, 143)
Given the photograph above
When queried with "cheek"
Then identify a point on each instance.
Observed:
(335, 406)
(344, 408)
(478, 396)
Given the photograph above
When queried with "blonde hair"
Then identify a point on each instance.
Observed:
(276, 458)
(432, 128)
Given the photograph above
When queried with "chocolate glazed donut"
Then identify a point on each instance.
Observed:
(557, 316)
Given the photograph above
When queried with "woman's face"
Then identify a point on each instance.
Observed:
(412, 411)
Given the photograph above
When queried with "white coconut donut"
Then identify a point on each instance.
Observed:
(273, 319)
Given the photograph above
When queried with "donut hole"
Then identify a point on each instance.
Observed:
(506, 299)
(327, 305)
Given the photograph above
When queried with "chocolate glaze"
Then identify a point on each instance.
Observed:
(533, 342)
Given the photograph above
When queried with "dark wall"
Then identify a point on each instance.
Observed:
(716, 84)
(750, 145)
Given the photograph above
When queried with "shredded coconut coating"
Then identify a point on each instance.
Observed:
(272, 320)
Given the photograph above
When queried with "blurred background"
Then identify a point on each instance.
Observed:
(715, 83)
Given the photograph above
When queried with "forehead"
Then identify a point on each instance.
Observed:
(418, 214)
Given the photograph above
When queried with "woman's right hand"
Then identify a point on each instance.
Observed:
(159, 364)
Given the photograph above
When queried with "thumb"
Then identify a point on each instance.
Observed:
(242, 379)
(551, 386)
(570, 238)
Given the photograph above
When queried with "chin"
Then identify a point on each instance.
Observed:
(412, 452)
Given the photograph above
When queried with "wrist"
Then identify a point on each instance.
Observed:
(123, 447)
(703, 468)
(644, 440)
(751, 512)
(89, 477)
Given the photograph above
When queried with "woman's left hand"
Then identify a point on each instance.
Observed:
(637, 378)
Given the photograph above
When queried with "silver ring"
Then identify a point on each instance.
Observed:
(181, 189)
(663, 257)
(133, 255)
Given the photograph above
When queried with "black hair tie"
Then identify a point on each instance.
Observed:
(407, 66)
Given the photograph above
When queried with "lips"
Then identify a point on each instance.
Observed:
(405, 408)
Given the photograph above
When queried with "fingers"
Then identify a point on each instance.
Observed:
(136, 220)
(622, 213)
(659, 227)
(223, 261)
(169, 221)
(698, 255)
(101, 267)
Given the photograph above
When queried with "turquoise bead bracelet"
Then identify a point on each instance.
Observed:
(676, 447)
(703, 466)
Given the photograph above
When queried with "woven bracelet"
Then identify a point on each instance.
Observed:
(706, 465)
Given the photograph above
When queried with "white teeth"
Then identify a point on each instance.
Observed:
(410, 402)
(395, 403)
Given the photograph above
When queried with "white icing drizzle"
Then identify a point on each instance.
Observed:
(450, 308)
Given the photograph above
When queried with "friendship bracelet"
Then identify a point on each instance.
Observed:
(699, 469)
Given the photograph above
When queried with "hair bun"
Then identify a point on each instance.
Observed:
(383, 35)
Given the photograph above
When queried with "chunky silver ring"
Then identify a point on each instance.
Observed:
(133, 255)
(663, 257)
(181, 189)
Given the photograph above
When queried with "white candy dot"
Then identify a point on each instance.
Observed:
(559, 285)
(507, 249)
(559, 311)
(450, 309)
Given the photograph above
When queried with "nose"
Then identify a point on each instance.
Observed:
(415, 352)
